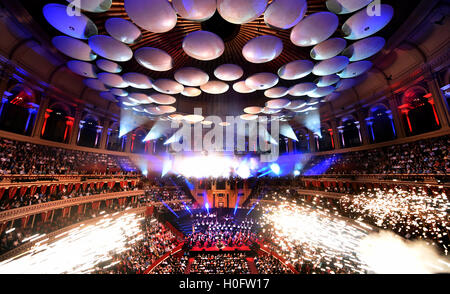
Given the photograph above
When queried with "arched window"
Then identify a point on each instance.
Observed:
(90, 132)
(351, 136)
(282, 145)
(18, 110)
(419, 113)
(325, 141)
(55, 126)
(137, 146)
(114, 142)
(380, 124)
(160, 148)
(302, 145)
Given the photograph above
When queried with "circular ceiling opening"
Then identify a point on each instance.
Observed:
(224, 29)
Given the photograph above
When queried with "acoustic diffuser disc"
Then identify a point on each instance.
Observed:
(203, 45)
(156, 16)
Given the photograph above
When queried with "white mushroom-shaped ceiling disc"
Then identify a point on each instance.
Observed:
(92, 5)
(168, 86)
(206, 122)
(203, 45)
(163, 99)
(346, 6)
(284, 14)
(327, 80)
(296, 104)
(328, 49)
(355, 69)
(191, 76)
(74, 48)
(229, 72)
(123, 30)
(82, 68)
(314, 29)
(199, 10)
(330, 66)
(276, 92)
(215, 87)
(138, 80)
(262, 49)
(277, 103)
(253, 109)
(268, 110)
(302, 89)
(76, 25)
(364, 48)
(193, 118)
(167, 109)
(110, 48)
(154, 110)
(109, 66)
(191, 92)
(108, 96)
(241, 87)
(261, 81)
(240, 12)
(95, 84)
(119, 92)
(153, 58)
(321, 92)
(176, 116)
(224, 124)
(249, 117)
(362, 25)
(112, 80)
(156, 16)
(296, 69)
(140, 98)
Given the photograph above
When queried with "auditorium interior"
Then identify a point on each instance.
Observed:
(181, 137)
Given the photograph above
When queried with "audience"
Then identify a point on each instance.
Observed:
(22, 158)
(229, 263)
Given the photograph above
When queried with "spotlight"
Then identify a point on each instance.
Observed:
(275, 168)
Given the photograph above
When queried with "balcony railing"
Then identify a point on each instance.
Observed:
(24, 211)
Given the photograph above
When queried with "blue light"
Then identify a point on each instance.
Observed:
(207, 206)
(275, 168)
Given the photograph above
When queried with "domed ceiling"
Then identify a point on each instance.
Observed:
(223, 56)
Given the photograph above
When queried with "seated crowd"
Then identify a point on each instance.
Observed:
(40, 196)
(156, 241)
(228, 263)
(22, 158)
(267, 264)
(429, 156)
(172, 265)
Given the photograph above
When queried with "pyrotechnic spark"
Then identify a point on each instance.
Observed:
(79, 250)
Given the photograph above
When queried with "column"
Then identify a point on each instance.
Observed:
(104, 134)
(40, 117)
(341, 136)
(440, 104)
(76, 127)
(405, 111)
(335, 135)
(398, 122)
(362, 126)
(69, 127)
(5, 77)
(128, 142)
(31, 111)
(312, 142)
(291, 146)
